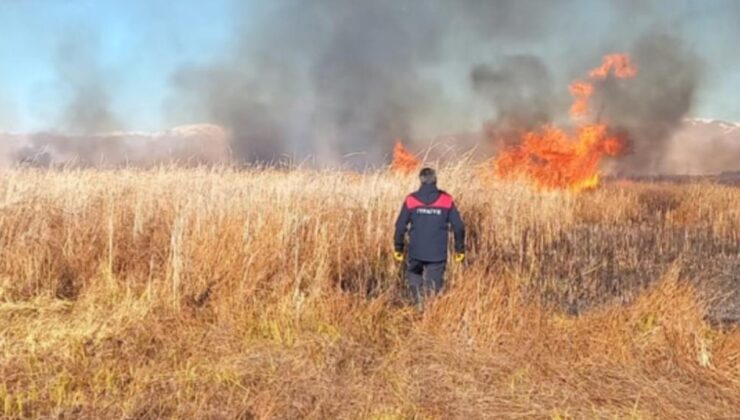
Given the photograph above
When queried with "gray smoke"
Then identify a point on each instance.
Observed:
(238, 104)
(80, 78)
(340, 80)
(520, 88)
(647, 109)
(86, 113)
(651, 107)
(88, 132)
(367, 76)
(333, 78)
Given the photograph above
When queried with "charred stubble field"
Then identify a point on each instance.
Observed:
(217, 293)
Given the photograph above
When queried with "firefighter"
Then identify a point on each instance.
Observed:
(428, 214)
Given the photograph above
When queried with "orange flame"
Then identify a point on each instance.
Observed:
(551, 158)
(581, 92)
(620, 64)
(403, 161)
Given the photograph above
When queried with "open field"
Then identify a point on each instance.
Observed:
(197, 293)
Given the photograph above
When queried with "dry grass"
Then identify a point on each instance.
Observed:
(195, 293)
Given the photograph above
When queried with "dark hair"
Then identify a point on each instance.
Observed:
(428, 176)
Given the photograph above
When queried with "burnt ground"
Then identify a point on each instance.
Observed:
(589, 265)
(725, 178)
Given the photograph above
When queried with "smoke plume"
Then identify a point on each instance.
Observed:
(86, 111)
(340, 80)
(81, 79)
(653, 105)
(520, 89)
(346, 78)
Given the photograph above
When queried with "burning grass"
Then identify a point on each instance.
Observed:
(552, 158)
(259, 294)
(404, 162)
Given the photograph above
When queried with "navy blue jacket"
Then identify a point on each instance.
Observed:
(430, 212)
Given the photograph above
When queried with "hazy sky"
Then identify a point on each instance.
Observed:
(133, 47)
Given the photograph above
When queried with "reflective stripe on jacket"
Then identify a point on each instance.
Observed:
(428, 215)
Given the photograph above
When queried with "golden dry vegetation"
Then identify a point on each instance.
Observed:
(220, 293)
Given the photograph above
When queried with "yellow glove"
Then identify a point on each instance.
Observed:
(398, 256)
(460, 257)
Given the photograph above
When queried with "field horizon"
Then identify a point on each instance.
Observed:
(272, 293)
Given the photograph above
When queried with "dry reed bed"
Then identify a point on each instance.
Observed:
(218, 293)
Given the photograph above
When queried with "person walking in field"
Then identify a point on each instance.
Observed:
(427, 215)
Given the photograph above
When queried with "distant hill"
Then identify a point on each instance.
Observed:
(705, 146)
(197, 143)
(699, 147)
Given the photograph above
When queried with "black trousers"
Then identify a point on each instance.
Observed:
(424, 278)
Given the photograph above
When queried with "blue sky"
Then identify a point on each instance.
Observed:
(136, 45)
